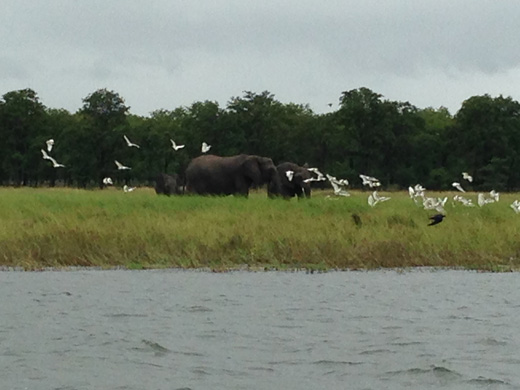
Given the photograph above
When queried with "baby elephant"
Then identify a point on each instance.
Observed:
(168, 184)
(293, 183)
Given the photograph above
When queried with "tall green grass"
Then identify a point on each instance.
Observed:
(65, 227)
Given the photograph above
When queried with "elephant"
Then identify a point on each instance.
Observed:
(168, 184)
(294, 187)
(234, 175)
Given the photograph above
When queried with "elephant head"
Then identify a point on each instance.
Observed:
(261, 170)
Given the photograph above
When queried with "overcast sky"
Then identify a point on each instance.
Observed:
(168, 53)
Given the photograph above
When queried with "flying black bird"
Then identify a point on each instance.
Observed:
(437, 218)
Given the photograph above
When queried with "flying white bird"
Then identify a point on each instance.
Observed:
(338, 185)
(467, 176)
(130, 143)
(515, 206)
(50, 144)
(435, 204)
(458, 186)
(45, 155)
(378, 198)
(128, 189)
(175, 146)
(289, 174)
(319, 176)
(374, 198)
(371, 200)
(370, 181)
(463, 200)
(205, 147)
(108, 181)
(56, 165)
(416, 192)
(121, 166)
(54, 162)
(495, 195)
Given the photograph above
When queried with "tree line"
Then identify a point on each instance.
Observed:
(396, 142)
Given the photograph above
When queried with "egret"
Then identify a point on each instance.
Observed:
(370, 181)
(175, 146)
(467, 176)
(128, 189)
(54, 162)
(121, 166)
(50, 144)
(289, 174)
(130, 144)
(458, 186)
(338, 185)
(319, 176)
(515, 206)
(205, 147)
(108, 181)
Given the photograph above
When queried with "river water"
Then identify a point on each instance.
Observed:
(172, 329)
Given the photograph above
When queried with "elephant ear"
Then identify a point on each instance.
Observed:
(252, 170)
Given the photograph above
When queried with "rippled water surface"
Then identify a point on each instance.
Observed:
(274, 330)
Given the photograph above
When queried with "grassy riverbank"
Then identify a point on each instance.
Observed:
(65, 227)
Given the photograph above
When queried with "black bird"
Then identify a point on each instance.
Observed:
(357, 220)
(437, 218)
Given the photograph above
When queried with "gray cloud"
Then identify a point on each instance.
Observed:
(163, 54)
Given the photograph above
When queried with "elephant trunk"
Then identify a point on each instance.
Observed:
(274, 185)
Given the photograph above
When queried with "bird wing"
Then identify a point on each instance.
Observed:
(45, 155)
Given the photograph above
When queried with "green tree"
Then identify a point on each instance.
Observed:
(22, 115)
(485, 141)
(104, 116)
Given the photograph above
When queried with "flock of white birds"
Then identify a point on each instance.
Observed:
(417, 192)
(107, 181)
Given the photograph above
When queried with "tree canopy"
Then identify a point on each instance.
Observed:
(394, 141)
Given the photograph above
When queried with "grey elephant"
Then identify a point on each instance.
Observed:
(296, 186)
(168, 184)
(234, 175)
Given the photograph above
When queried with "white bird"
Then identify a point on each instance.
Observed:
(435, 204)
(515, 206)
(416, 191)
(319, 176)
(495, 195)
(130, 143)
(121, 166)
(458, 186)
(467, 176)
(108, 181)
(371, 200)
(464, 201)
(50, 144)
(55, 164)
(128, 189)
(338, 185)
(45, 155)
(175, 146)
(205, 147)
(378, 198)
(289, 174)
(370, 181)
(374, 198)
